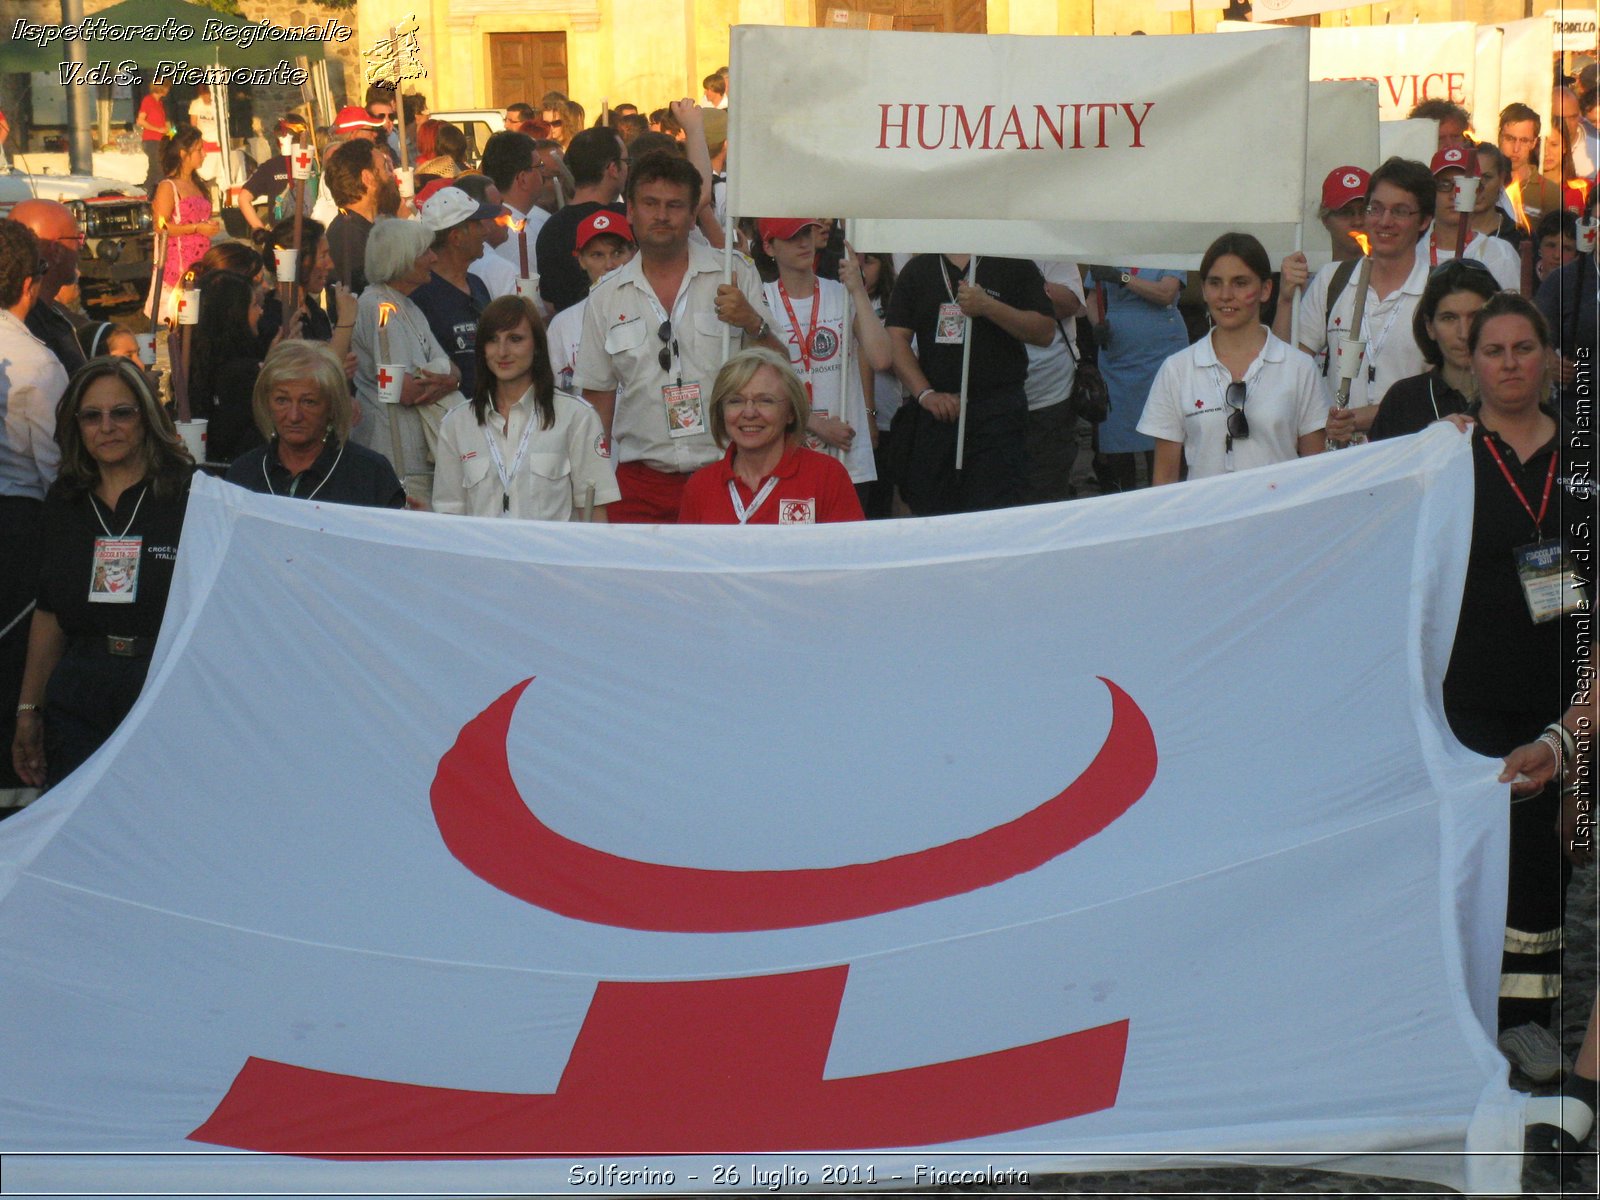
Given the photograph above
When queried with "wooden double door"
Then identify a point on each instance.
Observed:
(524, 66)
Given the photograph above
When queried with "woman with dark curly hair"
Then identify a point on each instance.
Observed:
(111, 525)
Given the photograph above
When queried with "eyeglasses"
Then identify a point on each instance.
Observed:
(766, 404)
(1399, 212)
(76, 241)
(1352, 211)
(669, 346)
(1238, 423)
(555, 124)
(123, 414)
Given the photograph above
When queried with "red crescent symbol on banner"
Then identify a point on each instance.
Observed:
(494, 834)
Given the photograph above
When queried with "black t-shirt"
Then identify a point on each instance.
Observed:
(270, 178)
(453, 316)
(348, 474)
(229, 410)
(561, 280)
(998, 359)
(347, 242)
(1502, 661)
(72, 522)
(1413, 404)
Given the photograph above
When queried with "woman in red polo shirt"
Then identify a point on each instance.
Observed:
(767, 476)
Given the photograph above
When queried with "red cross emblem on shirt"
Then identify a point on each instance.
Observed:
(384, 378)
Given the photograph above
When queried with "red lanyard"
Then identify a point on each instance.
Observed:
(794, 324)
(1550, 478)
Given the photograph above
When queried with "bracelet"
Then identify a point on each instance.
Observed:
(352, 325)
(1547, 738)
(924, 392)
(761, 330)
(1569, 747)
(22, 708)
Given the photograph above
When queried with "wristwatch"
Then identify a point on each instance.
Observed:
(761, 330)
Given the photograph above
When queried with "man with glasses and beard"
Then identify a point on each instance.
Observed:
(1400, 208)
(60, 242)
(360, 178)
(652, 342)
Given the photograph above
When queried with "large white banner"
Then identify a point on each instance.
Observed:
(856, 123)
(1527, 73)
(526, 856)
(1409, 63)
(1342, 129)
(1488, 48)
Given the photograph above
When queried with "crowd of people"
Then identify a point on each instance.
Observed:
(548, 333)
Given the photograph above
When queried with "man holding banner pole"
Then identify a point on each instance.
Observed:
(999, 304)
(654, 336)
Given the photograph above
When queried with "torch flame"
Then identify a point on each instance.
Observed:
(1514, 194)
(513, 224)
(1581, 186)
(1360, 239)
(385, 311)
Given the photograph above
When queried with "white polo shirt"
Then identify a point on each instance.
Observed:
(499, 276)
(511, 250)
(1392, 353)
(1283, 400)
(619, 349)
(1502, 259)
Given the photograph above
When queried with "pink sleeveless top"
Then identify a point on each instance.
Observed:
(184, 250)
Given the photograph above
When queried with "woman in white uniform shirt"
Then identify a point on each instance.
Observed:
(1239, 397)
(520, 448)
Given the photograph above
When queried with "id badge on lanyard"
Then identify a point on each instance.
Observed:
(686, 416)
(1550, 585)
(114, 578)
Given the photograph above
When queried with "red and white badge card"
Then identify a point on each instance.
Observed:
(115, 575)
(797, 512)
(686, 416)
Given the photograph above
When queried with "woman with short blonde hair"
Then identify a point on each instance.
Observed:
(302, 406)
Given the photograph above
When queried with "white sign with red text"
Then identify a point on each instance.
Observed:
(1342, 129)
(548, 857)
(1409, 63)
(858, 123)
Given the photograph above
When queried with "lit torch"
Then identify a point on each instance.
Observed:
(1361, 240)
(385, 311)
(1577, 194)
(1352, 345)
(188, 317)
(520, 228)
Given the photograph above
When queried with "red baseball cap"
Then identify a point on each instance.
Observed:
(1454, 158)
(353, 119)
(783, 227)
(600, 222)
(1343, 185)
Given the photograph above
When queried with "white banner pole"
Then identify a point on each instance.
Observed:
(966, 370)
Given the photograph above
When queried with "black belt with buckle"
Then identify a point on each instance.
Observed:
(129, 647)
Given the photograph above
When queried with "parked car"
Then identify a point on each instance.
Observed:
(114, 265)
